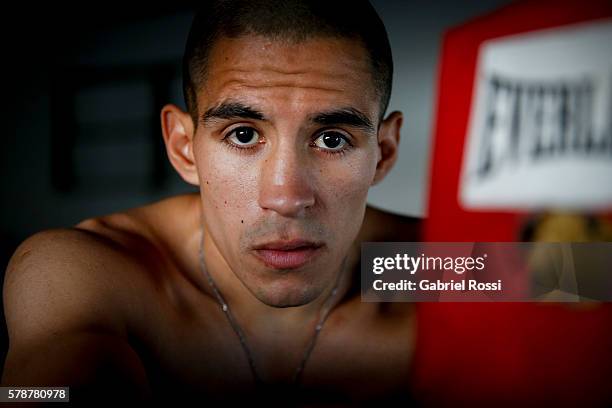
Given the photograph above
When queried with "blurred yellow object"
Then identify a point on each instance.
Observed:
(565, 227)
(571, 227)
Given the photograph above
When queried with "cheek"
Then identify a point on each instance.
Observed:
(227, 191)
(347, 180)
(343, 190)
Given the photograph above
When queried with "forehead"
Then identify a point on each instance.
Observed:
(284, 75)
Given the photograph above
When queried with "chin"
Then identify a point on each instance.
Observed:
(285, 295)
(284, 288)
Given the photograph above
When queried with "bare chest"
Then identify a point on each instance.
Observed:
(361, 354)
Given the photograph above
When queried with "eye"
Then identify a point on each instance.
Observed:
(243, 136)
(331, 141)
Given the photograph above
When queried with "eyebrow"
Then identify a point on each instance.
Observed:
(237, 110)
(231, 110)
(344, 116)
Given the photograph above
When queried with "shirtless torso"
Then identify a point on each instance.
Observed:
(120, 300)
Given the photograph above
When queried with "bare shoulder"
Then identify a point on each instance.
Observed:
(382, 225)
(63, 279)
(65, 300)
(71, 296)
(91, 269)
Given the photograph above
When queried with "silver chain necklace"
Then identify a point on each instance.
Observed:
(239, 332)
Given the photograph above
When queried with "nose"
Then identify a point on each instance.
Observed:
(286, 187)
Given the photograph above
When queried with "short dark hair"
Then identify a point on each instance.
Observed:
(293, 20)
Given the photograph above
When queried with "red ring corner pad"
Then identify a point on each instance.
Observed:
(495, 353)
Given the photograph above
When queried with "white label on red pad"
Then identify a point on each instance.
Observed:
(540, 130)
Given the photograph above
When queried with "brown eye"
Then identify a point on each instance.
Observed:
(244, 136)
(331, 141)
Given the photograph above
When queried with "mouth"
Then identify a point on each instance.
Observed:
(287, 254)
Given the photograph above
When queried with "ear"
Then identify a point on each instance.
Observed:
(177, 129)
(388, 144)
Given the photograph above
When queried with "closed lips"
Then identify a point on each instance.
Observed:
(288, 254)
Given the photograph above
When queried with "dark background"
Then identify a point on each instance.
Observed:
(83, 86)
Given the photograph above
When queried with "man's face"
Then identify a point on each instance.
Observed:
(286, 149)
